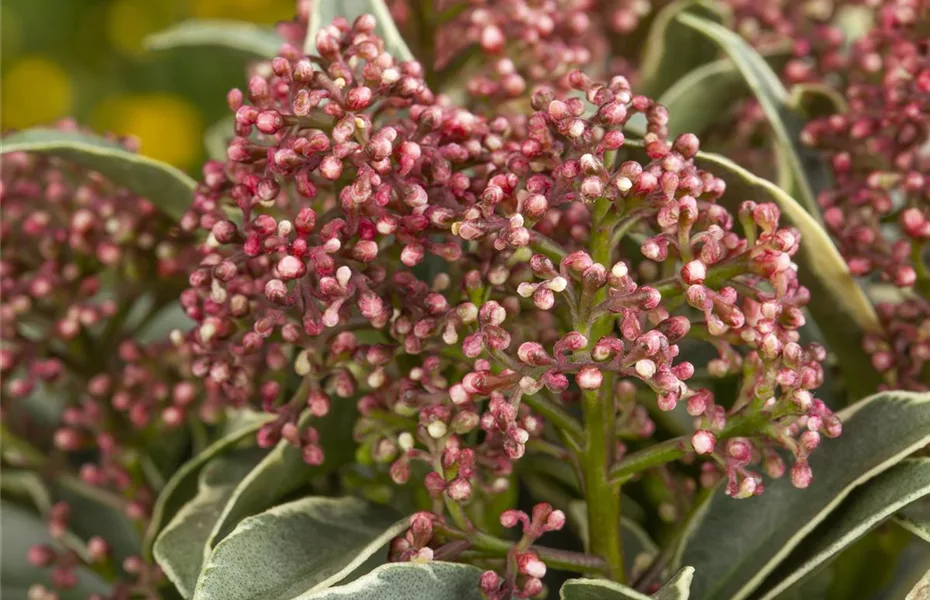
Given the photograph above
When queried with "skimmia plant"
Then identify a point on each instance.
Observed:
(578, 299)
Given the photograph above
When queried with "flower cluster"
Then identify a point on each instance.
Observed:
(479, 289)
(85, 267)
(878, 209)
(878, 151)
(350, 184)
(521, 44)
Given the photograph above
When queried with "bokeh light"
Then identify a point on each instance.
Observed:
(87, 59)
(35, 90)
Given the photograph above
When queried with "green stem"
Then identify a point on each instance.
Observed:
(556, 415)
(658, 454)
(675, 448)
(922, 285)
(601, 494)
(550, 248)
(565, 560)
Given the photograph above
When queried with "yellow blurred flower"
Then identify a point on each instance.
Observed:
(256, 11)
(33, 91)
(130, 21)
(168, 127)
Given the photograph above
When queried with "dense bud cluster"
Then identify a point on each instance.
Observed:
(479, 286)
(878, 151)
(351, 183)
(85, 267)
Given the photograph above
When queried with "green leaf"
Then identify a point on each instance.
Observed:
(217, 136)
(717, 84)
(181, 549)
(20, 483)
(299, 547)
(408, 581)
(808, 170)
(760, 532)
(21, 529)
(677, 588)
(867, 506)
(916, 519)
(673, 50)
(183, 484)
(94, 512)
(283, 470)
(165, 186)
(163, 323)
(322, 13)
(259, 41)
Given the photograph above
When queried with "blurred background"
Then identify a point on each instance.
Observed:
(85, 58)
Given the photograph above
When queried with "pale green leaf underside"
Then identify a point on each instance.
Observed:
(323, 12)
(21, 529)
(171, 190)
(181, 548)
(259, 41)
(677, 588)
(408, 581)
(921, 591)
(878, 432)
(867, 506)
(298, 547)
(807, 167)
(283, 470)
(181, 487)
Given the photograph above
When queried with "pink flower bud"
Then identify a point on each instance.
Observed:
(589, 378)
(703, 442)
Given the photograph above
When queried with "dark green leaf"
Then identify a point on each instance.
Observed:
(408, 581)
(183, 485)
(867, 506)
(21, 529)
(878, 432)
(181, 548)
(96, 512)
(23, 484)
(673, 50)
(259, 41)
(808, 170)
(916, 519)
(322, 13)
(298, 547)
(717, 84)
(283, 470)
(677, 588)
(165, 186)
